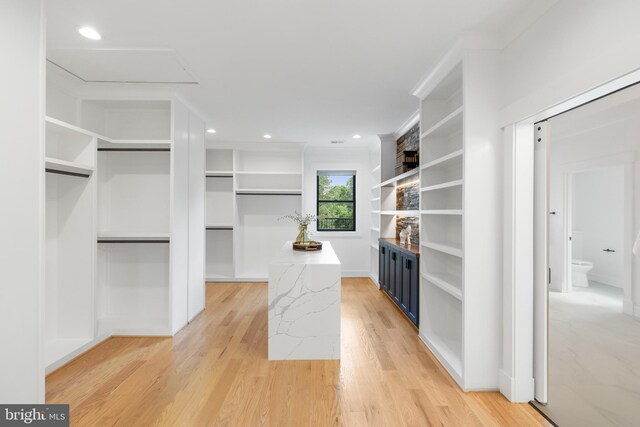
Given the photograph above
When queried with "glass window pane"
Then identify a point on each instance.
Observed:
(336, 216)
(337, 187)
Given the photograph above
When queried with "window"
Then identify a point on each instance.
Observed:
(336, 200)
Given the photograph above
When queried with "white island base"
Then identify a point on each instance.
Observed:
(304, 305)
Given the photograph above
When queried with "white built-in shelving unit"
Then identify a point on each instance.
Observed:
(248, 189)
(70, 241)
(375, 200)
(460, 256)
(135, 180)
(123, 201)
(384, 212)
(220, 208)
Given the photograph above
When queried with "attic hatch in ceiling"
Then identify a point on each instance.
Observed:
(160, 66)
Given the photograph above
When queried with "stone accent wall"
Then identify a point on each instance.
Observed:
(408, 197)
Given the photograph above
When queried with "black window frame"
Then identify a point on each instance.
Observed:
(318, 202)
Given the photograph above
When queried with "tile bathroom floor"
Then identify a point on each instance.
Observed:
(594, 359)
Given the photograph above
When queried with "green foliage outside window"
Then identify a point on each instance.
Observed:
(336, 202)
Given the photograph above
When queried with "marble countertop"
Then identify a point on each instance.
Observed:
(287, 255)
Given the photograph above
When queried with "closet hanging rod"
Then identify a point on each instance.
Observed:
(133, 241)
(81, 175)
(268, 194)
(134, 149)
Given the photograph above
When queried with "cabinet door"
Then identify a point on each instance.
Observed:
(397, 291)
(413, 275)
(406, 288)
(391, 273)
(381, 266)
(387, 268)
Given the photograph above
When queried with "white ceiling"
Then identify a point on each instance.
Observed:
(301, 70)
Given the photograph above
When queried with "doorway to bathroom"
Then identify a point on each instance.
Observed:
(593, 335)
(589, 238)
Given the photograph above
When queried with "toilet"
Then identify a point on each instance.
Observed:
(579, 270)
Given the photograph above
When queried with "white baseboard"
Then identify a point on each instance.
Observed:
(236, 279)
(517, 391)
(443, 360)
(76, 353)
(142, 332)
(374, 279)
(346, 274)
(606, 280)
(355, 273)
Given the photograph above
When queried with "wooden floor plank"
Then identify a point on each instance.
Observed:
(215, 372)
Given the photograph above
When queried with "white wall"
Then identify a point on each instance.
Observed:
(575, 46)
(63, 95)
(352, 248)
(22, 201)
(598, 217)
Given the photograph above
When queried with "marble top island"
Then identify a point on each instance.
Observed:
(304, 304)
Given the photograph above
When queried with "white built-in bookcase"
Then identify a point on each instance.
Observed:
(124, 211)
(247, 191)
(375, 212)
(384, 209)
(459, 219)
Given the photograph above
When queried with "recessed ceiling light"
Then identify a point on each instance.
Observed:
(211, 131)
(90, 33)
(356, 136)
(267, 136)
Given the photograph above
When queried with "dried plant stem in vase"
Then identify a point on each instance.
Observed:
(303, 241)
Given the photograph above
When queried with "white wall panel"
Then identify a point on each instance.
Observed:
(196, 208)
(22, 194)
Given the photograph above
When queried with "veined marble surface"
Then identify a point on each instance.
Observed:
(304, 305)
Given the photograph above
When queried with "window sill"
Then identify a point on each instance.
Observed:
(321, 234)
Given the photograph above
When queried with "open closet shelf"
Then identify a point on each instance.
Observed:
(269, 191)
(60, 126)
(135, 325)
(456, 183)
(219, 174)
(375, 229)
(63, 166)
(446, 248)
(376, 169)
(444, 282)
(375, 199)
(375, 246)
(398, 180)
(442, 212)
(133, 237)
(443, 159)
(401, 213)
(266, 173)
(105, 143)
(448, 125)
(214, 277)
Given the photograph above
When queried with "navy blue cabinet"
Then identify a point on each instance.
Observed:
(398, 275)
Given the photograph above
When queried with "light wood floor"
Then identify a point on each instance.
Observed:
(216, 372)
